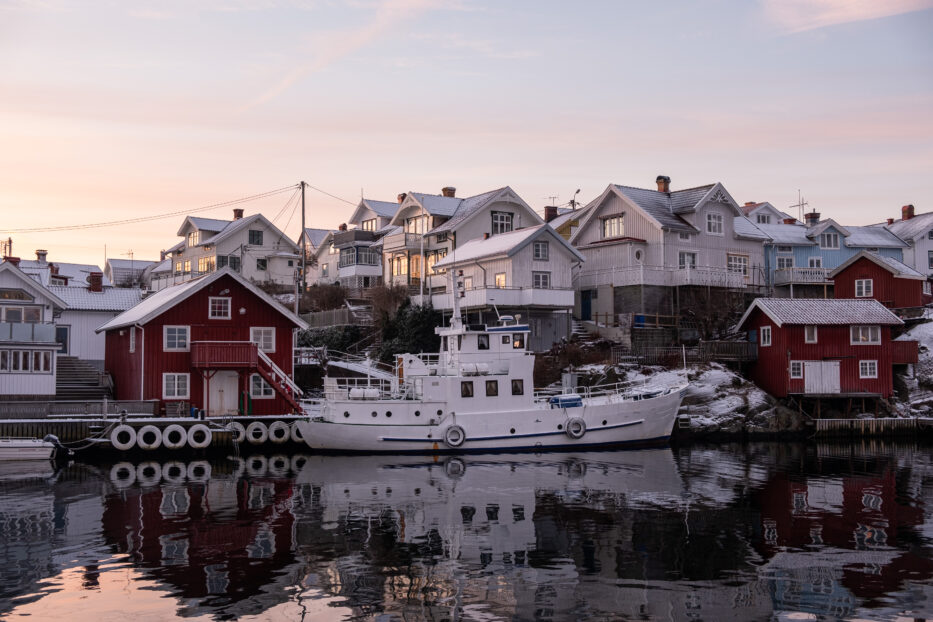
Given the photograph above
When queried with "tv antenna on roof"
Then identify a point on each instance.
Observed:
(801, 203)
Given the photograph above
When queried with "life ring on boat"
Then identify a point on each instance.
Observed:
(239, 432)
(279, 432)
(576, 427)
(257, 433)
(279, 465)
(173, 472)
(256, 465)
(199, 471)
(123, 437)
(295, 434)
(199, 436)
(149, 473)
(454, 436)
(149, 437)
(122, 474)
(174, 436)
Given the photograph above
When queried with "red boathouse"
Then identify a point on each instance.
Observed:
(887, 280)
(825, 348)
(217, 343)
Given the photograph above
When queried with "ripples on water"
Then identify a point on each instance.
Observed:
(739, 532)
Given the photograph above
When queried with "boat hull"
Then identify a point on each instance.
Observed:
(25, 449)
(606, 423)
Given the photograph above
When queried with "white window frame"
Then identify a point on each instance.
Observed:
(683, 235)
(369, 224)
(714, 223)
(255, 234)
(784, 262)
(763, 219)
(174, 329)
(796, 370)
(541, 251)
(132, 330)
(263, 331)
(829, 240)
(864, 288)
(211, 311)
(541, 280)
(266, 391)
(502, 222)
(765, 336)
(612, 226)
(173, 394)
(807, 337)
(785, 249)
(868, 369)
(930, 260)
(736, 260)
(865, 335)
(814, 262)
(682, 257)
(496, 280)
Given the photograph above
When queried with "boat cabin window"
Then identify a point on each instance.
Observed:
(505, 340)
(466, 388)
(518, 387)
(444, 343)
(460, 343)
(518, 340)
(492, 388)
(482, 342)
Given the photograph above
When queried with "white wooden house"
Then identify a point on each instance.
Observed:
(127, 272)
(250, 245)
(916, 230)
(766, 214)
(27, 335)
(526, 273)
(643, 246)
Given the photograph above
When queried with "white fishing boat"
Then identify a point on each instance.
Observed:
(25, 449)
(476, 394)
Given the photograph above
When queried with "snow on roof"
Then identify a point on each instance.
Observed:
(664, 206)
(386, 209)
(788, 235)
(502, 244)
(32, 284)
(871, 237)
(316, 236)
(914, 227)
(437, 205)
(569, 215)
(76, 273)
(467, 208)
(162, 300)
(165, 266)
(110, 299)
(208, 224)
(822, 312)
(816, 230)
(895, 267)
(138, 264)
(747, 229)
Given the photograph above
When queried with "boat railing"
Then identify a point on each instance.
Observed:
(367, 388)
(625, 390)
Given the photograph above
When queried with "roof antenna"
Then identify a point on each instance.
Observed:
(800, 205)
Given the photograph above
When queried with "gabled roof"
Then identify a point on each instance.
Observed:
(203, 224)
(788, 235)
(243, 224)
(384, 209)
(435, 204)
(164, 266)
(745, 228)
(870, 237)
(569, 215)
(822, 312)
(895, 267)
(32, 285)
(138, 264)
(76, 273)
(110, 299)
(504, 244)
(912, 228)
(472, 206)
(316, 236)
(165, 299)
(816, 230)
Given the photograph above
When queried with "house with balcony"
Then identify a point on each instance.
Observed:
(374, 216)
(312, 240)
(800, 258)
(892, 283)
(251, 246)
(218, 343)
(652, 251)
(27, 335)
(524, 273)
(427, 227)
(825, 347)
(916, 231)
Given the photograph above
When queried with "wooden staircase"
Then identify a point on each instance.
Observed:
(279, 380)
(78, 380)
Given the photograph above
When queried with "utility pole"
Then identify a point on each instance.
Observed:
(304, 244)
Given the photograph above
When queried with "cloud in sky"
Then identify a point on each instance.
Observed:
(800, 15)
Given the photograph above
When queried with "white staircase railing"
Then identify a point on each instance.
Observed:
(278, 374)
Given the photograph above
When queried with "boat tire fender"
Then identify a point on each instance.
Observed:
(257, 433)
(123, 474)
(576, 427)
(279, 432)
(123, 437)
(238, 430)
(149, 473)
(149, 437)
(454, 436)
(174, 436)
(295, 434)
(199, 436)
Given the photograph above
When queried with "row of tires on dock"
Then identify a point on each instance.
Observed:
(125, 437)
(258, 433)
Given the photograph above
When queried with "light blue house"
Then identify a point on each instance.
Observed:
(799, 258)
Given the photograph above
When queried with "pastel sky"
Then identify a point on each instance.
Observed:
(119, 109)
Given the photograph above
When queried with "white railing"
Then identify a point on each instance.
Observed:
(785, 276)
(503, 297)
(278, 374)
(712, 276)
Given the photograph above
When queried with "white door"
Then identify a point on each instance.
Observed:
(224, 389)
(821, 377)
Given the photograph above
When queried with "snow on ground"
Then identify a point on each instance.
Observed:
(920, 386)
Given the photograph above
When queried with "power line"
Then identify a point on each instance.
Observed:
(114, 223)
(330, 195)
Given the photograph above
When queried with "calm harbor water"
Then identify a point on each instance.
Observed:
(736, 532)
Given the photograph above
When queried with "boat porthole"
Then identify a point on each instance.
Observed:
(388, 492)
(604, 422)
(512, 431)
(417, 491)
(346, 414)
(375, 414)
(388, 413)
(439, 412)
(417, 413)
(560, 426)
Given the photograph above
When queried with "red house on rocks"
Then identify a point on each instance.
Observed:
(825, 348)
(217, 343)
(887, 280)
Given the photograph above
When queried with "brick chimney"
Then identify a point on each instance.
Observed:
(550, 213)
(342, 227)
(448, 191)
(907, 212)
(664, 183)
(401, 197)
(890, 221)
(12, 260)
(41, 254)
(162, 255)
(747, 203)
(95, 282)
(53, 269)
(811, 219)
(789, 221)
(237, 213)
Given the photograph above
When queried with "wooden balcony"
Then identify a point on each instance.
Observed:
(224, 354)
(796, 276)
(399, 241)
(904, 352)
